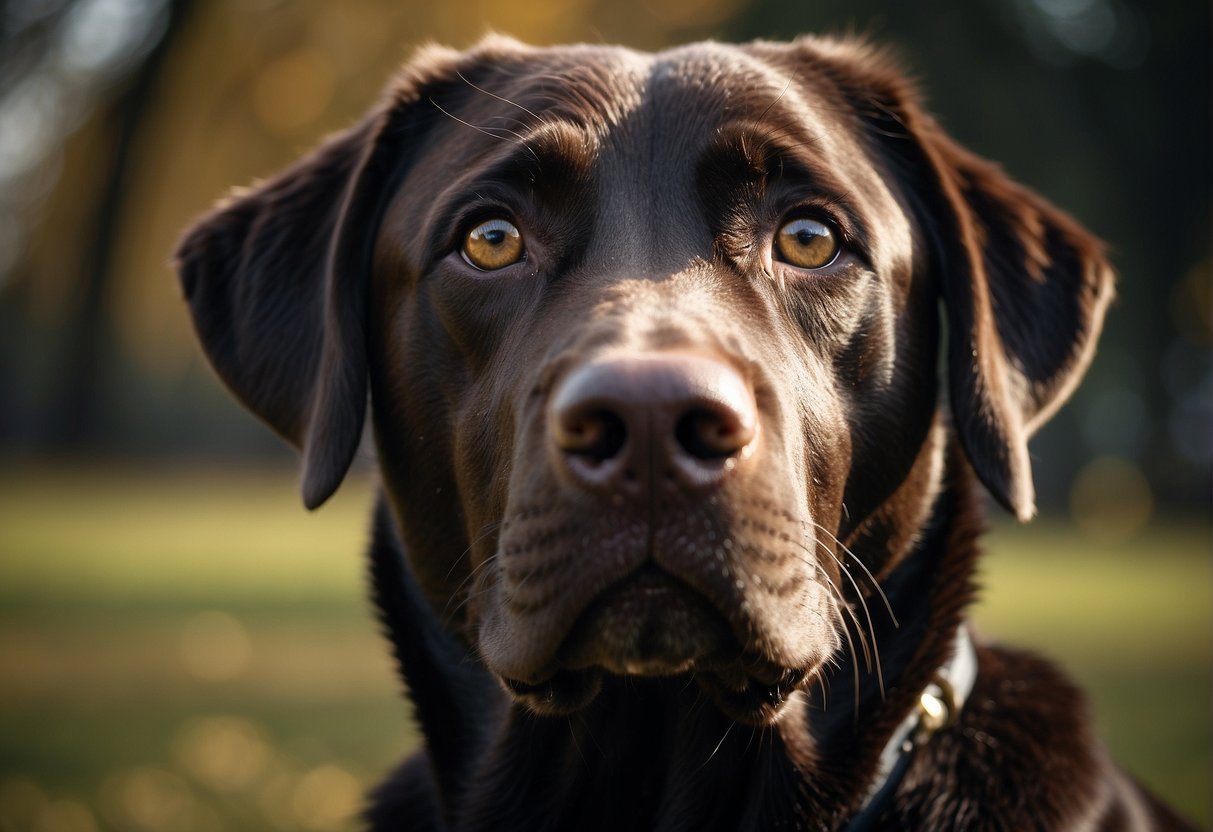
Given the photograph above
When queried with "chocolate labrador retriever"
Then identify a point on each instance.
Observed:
(674, 531)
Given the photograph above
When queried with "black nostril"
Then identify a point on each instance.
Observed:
(705, 433)
(629, 424)
(597, 434)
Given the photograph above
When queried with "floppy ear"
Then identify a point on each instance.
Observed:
(278, 304)
(1024, 286)
(1025, 289)
(277, 277)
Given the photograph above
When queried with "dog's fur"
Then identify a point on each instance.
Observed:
(655, 635)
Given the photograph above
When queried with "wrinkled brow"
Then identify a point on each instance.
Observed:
(554, 153)
(749, 154)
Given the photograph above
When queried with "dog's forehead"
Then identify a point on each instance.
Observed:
(719, 82)
(681, 90)
(640, 111)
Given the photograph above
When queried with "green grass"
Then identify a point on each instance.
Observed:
(1132, 623)
(190, 650)
(111, 584)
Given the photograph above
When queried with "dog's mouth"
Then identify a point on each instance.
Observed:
(654, 625)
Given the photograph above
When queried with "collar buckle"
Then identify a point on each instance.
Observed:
(938, 708)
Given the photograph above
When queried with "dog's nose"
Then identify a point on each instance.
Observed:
(632, 422)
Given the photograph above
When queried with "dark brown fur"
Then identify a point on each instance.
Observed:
(758, 689)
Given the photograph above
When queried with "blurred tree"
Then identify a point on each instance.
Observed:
(73, 419)
(65, 63)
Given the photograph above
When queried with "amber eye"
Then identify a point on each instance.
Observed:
(807, 244)
(493, 245)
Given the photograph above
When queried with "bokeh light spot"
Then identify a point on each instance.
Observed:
(21, 802)
(65, 816)
(274, 797)
(1111, 499)
(146, 799)
(227, 754)
(325, 797)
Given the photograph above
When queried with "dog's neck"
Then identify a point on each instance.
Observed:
(681, 762)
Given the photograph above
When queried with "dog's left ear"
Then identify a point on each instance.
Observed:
(1025, 287)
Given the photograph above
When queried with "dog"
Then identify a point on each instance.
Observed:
(676, 529)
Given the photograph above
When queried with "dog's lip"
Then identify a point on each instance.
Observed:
(649, 624)
(752, 700)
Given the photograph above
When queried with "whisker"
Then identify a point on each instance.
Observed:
(485, 532)
(589, 732)
(846, 631)
(463, 78)
(875, 584)
(517, 140)
(576, 744)
(449, 612)
(469, 577)
(775, 100)
(871, 652)
(754, 732)
(717, 748)
(866, 612)
(844, 606)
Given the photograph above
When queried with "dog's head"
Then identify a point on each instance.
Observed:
(650, 343)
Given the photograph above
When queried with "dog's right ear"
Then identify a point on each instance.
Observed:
(256, 272)
(277, 279)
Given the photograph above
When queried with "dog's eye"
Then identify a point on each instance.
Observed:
(493, 245)
(807, 244)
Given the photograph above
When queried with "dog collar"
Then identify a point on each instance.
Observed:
(938, 707)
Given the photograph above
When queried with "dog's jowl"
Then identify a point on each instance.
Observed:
(677, 519)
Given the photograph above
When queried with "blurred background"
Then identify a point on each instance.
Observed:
(182, 647)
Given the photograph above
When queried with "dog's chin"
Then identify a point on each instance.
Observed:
(652, 625)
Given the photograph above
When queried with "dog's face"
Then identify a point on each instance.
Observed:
(666, 373)
(651, 345)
